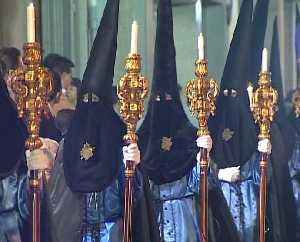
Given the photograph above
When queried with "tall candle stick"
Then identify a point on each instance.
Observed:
(250, 94)
(199, 20)
(264, 62)
(134, 37)
(30, 23)
(201, 46)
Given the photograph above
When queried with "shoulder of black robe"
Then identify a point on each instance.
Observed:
(96, 127)
(13, 133)
(165, 117)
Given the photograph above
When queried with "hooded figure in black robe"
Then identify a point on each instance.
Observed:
(233, 128)
(87, 182)
(233, 121)
(294, 163)
(281, 203)
(168, 143)
(13, 209)
(12, 129)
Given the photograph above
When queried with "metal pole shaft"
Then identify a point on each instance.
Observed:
(204, 195)
(128, 203)
(36, 206)
(262, 198)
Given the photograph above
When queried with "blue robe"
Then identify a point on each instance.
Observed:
(104, 211)
(13, 207)
(294, 167)
(177, 207)
(242, 198)
(103, 215)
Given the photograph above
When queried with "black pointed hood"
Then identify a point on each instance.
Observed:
(281, 115)
(275, 69)
(95, 124)
(164, 83)
(13, 133)
(259, 27)
(99, 72)
(239, 49)
(165, 55)
(165, 117)
(233, 129)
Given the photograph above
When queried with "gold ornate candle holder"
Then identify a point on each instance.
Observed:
(201, 97)
(32, 85)
(264, 104)
(264, 107)
(132, 91)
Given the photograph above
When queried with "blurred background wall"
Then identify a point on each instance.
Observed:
(68, 27)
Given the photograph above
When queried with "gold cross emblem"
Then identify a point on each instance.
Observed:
(166, 143)
(86, 152)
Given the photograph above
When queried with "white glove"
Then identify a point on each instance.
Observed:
(131, 153)
(51, 145)
(205, 142)
(230, 174)
(43, 158)
(264, 146)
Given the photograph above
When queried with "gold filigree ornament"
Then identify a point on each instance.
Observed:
(296, 102)
(227, 134)
(201, 96)
(87, 152)
(264, 104)
(132, 90)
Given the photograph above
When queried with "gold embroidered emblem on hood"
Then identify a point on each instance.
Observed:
(86, 152)
(227, 134)
(166, 143)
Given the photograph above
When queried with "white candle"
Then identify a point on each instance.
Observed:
(264, 62)
(134, 37)
(250, 94)
(201, 46)
(30, 23)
